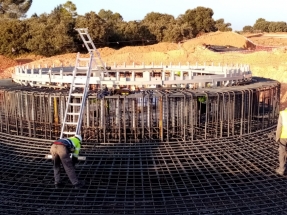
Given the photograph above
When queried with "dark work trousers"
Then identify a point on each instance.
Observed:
(282, 157)
(61, 155)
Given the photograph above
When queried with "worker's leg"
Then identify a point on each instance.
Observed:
(56, 163)
(282, 158)
(67, 164)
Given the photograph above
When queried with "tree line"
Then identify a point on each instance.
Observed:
(262, 25)
(54, 33)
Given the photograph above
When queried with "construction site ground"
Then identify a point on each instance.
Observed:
(269, 63)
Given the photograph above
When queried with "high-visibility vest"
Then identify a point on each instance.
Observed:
(284, 124)
(77, 145)
(177, 73)
(73, 144)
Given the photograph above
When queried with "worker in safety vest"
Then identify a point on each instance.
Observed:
(66, 151)
(281, 138)
(177, 73)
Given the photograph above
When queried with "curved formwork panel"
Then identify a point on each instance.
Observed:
(135, 76)
(229, 175)
(161, 115)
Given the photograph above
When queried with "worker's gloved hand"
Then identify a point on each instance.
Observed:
(75, 160)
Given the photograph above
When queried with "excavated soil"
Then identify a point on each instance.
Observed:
(7, 64)
(268, 64)
(269, 39)
(4, 64)
(222, 39)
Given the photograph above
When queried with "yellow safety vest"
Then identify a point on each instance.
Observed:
(284, 124)
(77, 146)
(177, 73)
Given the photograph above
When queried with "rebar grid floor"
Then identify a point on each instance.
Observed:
(218, 176)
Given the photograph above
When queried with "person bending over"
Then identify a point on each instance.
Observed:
(61, 150)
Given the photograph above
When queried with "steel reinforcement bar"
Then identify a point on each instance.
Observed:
(149, 115)
(231, 175)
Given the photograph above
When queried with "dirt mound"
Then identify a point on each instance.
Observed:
(160, 47)
(4, 64)
(221, 39)
(106, 51)
(23, 59)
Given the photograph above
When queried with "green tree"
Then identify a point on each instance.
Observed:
(221, 26)
(12, 39)
(248, 28)
(14, 8)
(277, 27)
(200, 19)
(130, 32)
(178, 32)
(157, 24)
(34, 15)
(95, 25)
(260, 20)
(51, 34)
(112, 23)
(109, 16)
(134, 33)
(261, 26)
(69, 9)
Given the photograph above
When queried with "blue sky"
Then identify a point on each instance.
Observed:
(238, 13)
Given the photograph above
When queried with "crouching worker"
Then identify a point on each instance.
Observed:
(61, 150)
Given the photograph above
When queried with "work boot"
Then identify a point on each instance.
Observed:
(279, 171)
(59, 185)
(79, 185)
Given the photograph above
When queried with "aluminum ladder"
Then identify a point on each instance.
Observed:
(79, 87)
(83, 32)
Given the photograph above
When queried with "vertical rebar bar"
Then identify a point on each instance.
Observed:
(161, 118)
(56, 115)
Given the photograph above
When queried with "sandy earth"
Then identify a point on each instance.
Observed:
(270, 39)
(269, 64)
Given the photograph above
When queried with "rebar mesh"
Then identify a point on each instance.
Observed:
(215, 176)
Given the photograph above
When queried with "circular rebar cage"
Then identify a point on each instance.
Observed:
(152, 115)
(152, 152)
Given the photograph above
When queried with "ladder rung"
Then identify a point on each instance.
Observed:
(76, 94)
(82, 67)
(88, 42)
(84, 59)
(71, 123)
(75, 104)
(68, 132)
(79, 85)
(69, 113)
